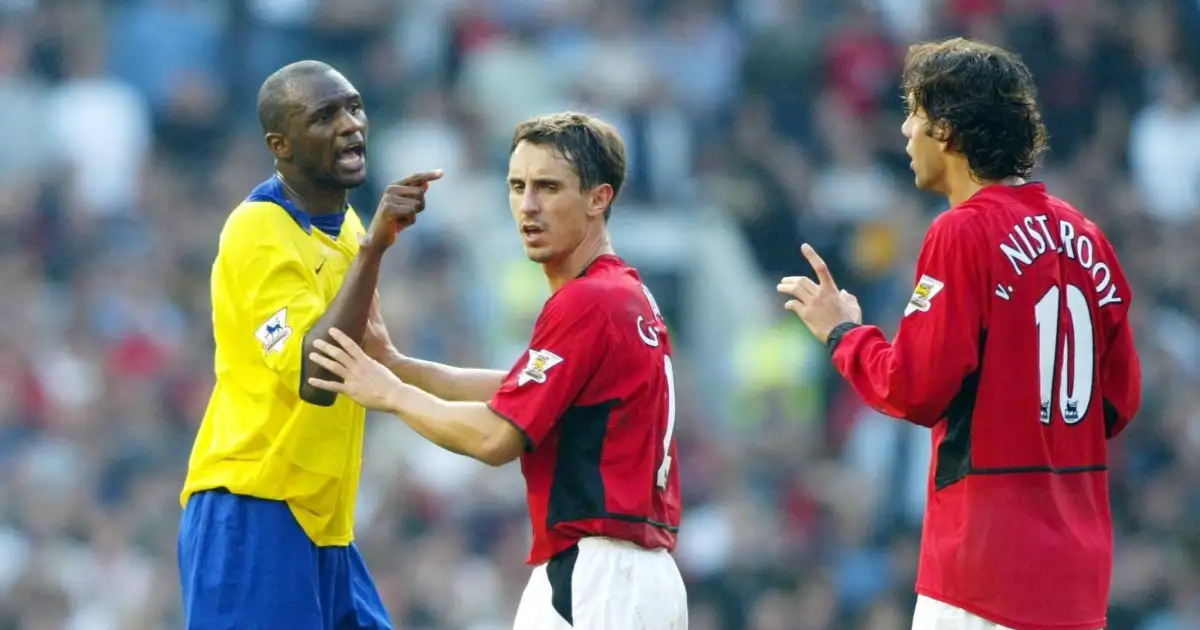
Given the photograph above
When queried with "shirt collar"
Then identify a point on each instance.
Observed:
(272, 191)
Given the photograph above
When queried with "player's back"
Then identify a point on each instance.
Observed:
(606, 467)
(1022, 455)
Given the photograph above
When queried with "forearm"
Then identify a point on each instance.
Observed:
(466, 428)
(445, 381)
(890, 382)
(348, 313)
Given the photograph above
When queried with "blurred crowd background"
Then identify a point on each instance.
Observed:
(128, 131)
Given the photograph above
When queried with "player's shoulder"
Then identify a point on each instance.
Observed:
(252, 226)
(605, 287)
(259, 223)
(964, 222)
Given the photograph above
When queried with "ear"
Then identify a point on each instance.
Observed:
(279, 146)
(600, 200)
(940, 131)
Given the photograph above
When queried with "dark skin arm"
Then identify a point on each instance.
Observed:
(351, 307)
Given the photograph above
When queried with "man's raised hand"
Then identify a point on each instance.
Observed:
(820, 305)
(398, 208)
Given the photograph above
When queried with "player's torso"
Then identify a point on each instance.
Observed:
(257, 436)
(1052, 291)
(608, 467)
(1019, 469)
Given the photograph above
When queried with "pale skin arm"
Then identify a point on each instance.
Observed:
(445, 381)
(465, 427)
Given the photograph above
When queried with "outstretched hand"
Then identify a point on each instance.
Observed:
(364, 379)
(820, 305)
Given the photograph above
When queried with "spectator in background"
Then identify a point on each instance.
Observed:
(105, 340)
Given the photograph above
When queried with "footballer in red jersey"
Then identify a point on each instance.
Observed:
(589, 408)
(1015, 349)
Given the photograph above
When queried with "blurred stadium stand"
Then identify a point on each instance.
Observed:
(128, 132)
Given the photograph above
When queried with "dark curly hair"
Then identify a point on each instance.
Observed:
(981, 99)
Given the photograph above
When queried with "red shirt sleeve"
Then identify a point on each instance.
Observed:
(564, 353)
(1120, 367)
(937, 345)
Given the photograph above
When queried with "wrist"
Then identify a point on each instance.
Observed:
(394, 403)
(836, 334)
(393, 360)
(371, 251)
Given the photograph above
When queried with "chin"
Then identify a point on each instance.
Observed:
(352, 180)
(540, 255)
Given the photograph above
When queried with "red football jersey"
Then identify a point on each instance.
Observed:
(595, 399)
(1016, 349)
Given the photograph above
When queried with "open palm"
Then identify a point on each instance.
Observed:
(364, 379)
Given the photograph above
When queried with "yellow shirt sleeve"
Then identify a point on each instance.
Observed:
(276, 297)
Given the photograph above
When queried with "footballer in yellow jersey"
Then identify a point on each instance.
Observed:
(265, 540)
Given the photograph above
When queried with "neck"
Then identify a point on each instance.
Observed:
(560, 272)
(961, 185)
(311, 197)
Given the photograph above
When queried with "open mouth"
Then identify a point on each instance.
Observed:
(531, 232)
(352, 158)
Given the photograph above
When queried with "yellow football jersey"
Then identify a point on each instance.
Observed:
(273, 278)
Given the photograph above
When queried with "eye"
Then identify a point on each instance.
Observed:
(516, 187)
(355, 108)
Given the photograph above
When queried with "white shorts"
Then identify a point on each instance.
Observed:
(604, 585)
(932, 614)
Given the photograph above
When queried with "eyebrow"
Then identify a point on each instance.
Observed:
(336, 100)
(513, 179)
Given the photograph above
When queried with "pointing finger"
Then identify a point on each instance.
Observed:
(405, 190)
(417, 179)
(819, 266)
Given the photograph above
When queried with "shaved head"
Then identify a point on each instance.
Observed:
(275, 97)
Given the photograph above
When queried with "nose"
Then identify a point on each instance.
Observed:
(906, 127)
(349, 124)
(530, 204)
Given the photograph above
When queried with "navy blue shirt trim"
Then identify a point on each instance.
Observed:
(272, 191)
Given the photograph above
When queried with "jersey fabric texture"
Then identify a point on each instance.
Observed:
(273, 278)
(1016, 349)
(594, 398)
(601, 584)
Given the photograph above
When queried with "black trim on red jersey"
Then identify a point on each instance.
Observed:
(1065, 470)
(1111, 418)
(559, 572)
(528, 442)
(577, 492)
(954, 453)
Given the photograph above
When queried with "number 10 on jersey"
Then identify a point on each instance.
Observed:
(1074, 386)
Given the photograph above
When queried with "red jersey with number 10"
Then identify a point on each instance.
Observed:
(1016, 349)
(595, 398)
